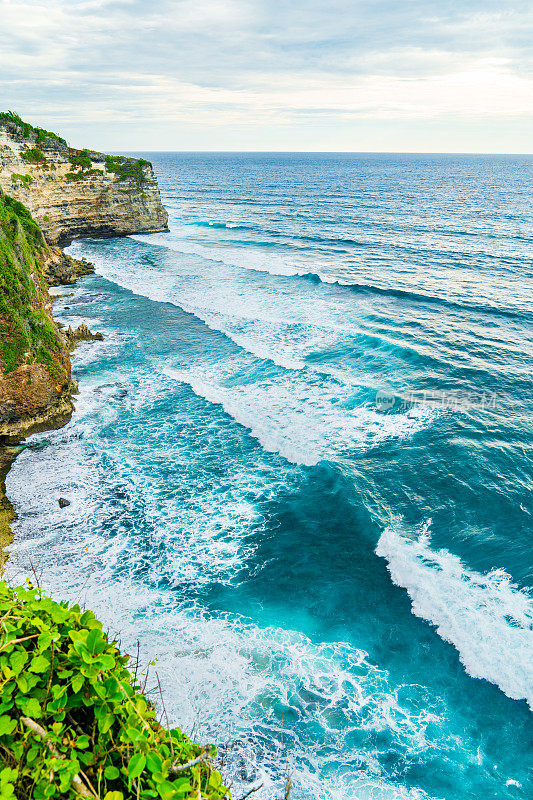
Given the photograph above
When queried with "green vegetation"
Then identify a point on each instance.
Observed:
(26, 180)
(28, 129)
(127, 169)
(82, 174)
(33, 156)
(72, 719)
(82, 160)
(27, 333)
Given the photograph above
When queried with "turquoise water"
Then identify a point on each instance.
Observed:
(300, 468)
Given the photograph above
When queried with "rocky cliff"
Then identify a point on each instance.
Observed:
(35, 383)
(73, 193)
(53, 193)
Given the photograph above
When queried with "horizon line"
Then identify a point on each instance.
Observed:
(343, 152)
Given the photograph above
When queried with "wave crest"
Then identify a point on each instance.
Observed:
(487, 618)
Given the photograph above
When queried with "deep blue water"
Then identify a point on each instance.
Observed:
(301, 466)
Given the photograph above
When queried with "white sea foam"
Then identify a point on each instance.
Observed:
(305, 417)
(305, 421)
(486, 617)
(290, 328)
(252, 318)
(250, 256)
(274, 702)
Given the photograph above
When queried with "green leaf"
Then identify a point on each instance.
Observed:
(39, 664)
(86, 758)
(106, 723)
(77, 683)
(167, 790)
(59, 614)
(215, 780)
(86, 616)
(83, 741)
(136, 765)
(17, 660)
(95, 641)
(133, 734)
(154, 762)
(44, 640)
(111, 772)
(8, 774)
(106, 661)
(31, 707)
(7, 726)
(114, 796)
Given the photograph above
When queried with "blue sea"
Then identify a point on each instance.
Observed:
(300, 468)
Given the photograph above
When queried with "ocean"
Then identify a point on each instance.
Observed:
(300, 468)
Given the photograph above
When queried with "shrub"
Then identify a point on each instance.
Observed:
(26, 331)
(28, 129)
(72, 719)
(127, 168)
(82, 174)
(20, 214)
(33, 156)
(81, 160)
(26, 180)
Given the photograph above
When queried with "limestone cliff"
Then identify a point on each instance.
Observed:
(74, 193)
(35, 383)
(53, 194)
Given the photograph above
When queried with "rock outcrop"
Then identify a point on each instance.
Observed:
(61, 268)
(82, 334)
(74, 193)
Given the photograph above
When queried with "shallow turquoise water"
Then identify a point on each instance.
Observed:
(300, 468)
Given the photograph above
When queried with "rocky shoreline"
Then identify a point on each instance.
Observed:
(51, 194)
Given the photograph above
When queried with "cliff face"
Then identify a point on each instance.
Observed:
(35, 381)
(53, 194)
(74, 193)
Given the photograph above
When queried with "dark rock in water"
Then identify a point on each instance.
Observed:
(81, 334)
(63, 503)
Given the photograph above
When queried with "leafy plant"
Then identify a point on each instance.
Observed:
(33, 156)
(82, 174)
(72, 719)
(81, 160)
(127, 168)
(26, 180)
(28, 129)
(26, 332)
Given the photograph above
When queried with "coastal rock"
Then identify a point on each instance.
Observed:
(63, 503)
(82, 334)
(61, 269)
(74, 193)
(54, 194)
(35, 381)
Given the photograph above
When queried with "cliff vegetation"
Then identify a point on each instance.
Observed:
(34, 359)
(40, 133)
(73, 193)
(26, 330)
(73, 721)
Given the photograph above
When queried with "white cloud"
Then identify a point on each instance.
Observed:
(249, 63)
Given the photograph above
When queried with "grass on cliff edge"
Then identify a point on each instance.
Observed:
(72, 719)
(27, 333)
(28, 128)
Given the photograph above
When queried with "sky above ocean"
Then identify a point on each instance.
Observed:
(254, 75)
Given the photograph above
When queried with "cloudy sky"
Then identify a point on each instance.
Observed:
(393, 75)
